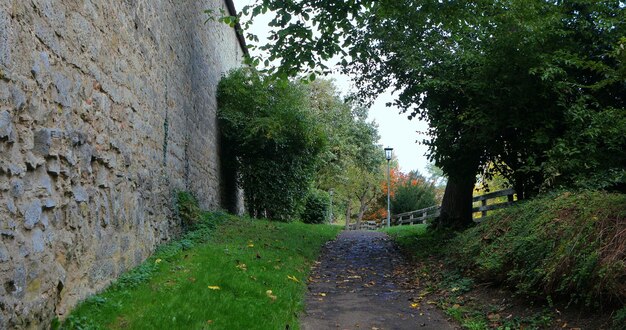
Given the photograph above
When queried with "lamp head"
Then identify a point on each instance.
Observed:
(388, 153)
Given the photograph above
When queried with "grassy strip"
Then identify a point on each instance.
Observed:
(563, 246)
(242, 274)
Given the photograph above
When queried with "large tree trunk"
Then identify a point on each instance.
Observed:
(348, 214)
(456, 207)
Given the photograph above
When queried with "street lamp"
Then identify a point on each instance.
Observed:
(330, 215)
(388, 157)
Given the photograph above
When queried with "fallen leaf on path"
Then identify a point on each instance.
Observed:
(214, 287)
(322, 294)
(270, 295)
(415, 305)
(293, 278)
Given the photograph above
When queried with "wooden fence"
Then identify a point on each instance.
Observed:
(423, 215)
(484, 207)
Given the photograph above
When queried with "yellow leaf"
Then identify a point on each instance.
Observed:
(250, 245)
(270, 295)
(214, 287)
(158, 261)
(415, 305)
(293, 278)
(322, 294)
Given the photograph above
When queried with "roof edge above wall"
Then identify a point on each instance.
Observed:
(233, 12)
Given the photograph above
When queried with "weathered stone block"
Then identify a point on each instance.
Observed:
(4, 254)
(19, 98)
(6, 126)
(38, 240)
(54, 166)
(80, 194)
(49, 203)
(32, 214)
(63, 88)
(42, 142)
(6, 32)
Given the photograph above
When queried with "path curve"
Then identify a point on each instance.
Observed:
(355, 285)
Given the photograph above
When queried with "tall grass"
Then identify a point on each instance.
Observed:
(570, 245)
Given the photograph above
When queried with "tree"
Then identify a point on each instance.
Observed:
(413, 193)
(501, 82)
(351, 163)
(273, 141)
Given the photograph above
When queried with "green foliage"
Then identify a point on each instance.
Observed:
(272, 139)
(619, 320)
(316, 207)
(188, 209)
(413, 193)
(350, 165)
(568, 245)
(533, 85)
(241, 256)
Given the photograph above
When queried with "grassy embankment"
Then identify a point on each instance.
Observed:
(227, 273)
(568, 247)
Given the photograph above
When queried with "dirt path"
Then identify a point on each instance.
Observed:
(356, 285)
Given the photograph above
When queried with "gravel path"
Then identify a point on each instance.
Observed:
(356, 285)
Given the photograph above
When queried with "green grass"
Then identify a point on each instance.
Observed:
(418, 240)
(566, 245)
(244, 258)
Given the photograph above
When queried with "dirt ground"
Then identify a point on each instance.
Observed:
(358, 284)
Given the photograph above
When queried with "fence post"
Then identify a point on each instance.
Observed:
(483, 203)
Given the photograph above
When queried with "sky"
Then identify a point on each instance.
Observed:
(395, 130)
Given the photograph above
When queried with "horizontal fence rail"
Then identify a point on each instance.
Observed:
(483, 208)
(423, 215)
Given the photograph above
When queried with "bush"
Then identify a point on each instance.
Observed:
(270, 132)
(570, 245)
(316, 207)
(188, 209)
(412, 193)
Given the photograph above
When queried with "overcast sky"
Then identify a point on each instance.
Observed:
(395, 129)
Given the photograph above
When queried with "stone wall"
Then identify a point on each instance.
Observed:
(106, 109)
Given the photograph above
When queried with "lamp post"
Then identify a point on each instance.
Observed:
(388, 156)
(330, 213)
